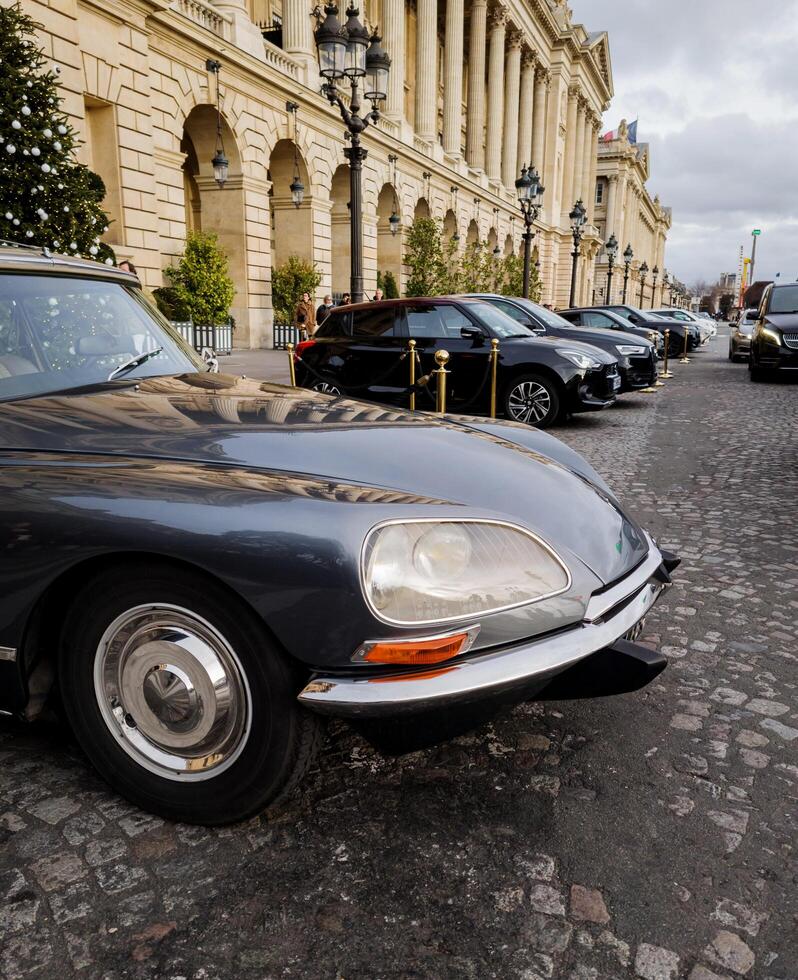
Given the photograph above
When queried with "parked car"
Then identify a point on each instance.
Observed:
(774, 340)
(360, 350)
(607, 320)
(637, 357)
(705, 325)
(740, 336)
(208, 564)
(647, 318)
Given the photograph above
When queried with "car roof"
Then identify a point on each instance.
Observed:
(23, 258)
(408, 301)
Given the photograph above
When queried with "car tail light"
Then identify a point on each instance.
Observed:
(417, 651)
(301, 347)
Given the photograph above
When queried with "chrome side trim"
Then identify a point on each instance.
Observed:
(493, 673)
(8, 654)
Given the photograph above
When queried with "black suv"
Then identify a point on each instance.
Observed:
(774, 341)
(607, 320)
(362, 351)
(637, 356)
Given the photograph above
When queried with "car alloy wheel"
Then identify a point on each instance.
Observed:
(172, 691)
(326, 388)
(531, 400)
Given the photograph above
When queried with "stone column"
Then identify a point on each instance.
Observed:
(539, 120)
(393, 15)
(612, 198)
(588, 163)
(475, 137)
(570, 149)
(493, 140)
(427, 70)
(512, 87)
(525, 111)
(297, 34)
(579, 158)
(453, 78)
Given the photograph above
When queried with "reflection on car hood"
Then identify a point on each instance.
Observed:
(565, 342)
(615, 337)
(500, 468)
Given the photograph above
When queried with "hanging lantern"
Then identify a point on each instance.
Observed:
(394, 222)
(297, 191)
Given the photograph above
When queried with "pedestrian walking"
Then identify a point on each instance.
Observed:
(346, 299)
(305, 317)
(323, 311)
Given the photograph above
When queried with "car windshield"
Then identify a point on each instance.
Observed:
(784, 300)
(63, 332)
(548, 317)
(499, 324)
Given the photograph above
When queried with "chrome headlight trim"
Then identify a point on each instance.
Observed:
(472, 614)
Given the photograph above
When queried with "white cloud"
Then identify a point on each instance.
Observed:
(713, 83)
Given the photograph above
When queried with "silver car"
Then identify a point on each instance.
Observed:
(740, 336)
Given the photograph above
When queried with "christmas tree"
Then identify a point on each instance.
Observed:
(47, 198)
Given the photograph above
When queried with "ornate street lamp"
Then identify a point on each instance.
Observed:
(296, 186)
(530, 198)
(220, 163)
(643, 274)
(349, 53)
(578, 219)
(628, 255)
(394, 222)
(612, 253)
(654, 274)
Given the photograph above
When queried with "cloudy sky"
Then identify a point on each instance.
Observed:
(715, 86)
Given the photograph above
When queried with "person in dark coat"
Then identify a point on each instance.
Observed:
(323, 311)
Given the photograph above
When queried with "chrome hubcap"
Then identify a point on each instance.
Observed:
(171, 690)
(529, 402)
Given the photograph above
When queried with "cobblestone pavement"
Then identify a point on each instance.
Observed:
(650, 836)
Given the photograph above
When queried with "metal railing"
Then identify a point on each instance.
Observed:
(285, 334)
(217, 337)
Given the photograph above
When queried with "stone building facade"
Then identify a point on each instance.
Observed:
(623, 207)
(477, 89)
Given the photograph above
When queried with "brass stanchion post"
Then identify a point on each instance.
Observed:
(291, 368)
(684, 359)
(412, 345)
(665, 372)
(494, 371)
(441, 359)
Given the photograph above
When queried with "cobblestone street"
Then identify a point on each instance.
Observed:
(649, 836)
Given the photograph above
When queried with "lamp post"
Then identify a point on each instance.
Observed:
(578, 218)
(643, 274)
(612, 253)
(654, 274)
(347, 54)
(220, 163)
(530, 197)
(628, 255)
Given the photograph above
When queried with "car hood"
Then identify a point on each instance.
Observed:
(580, 344)
(500, 468)
(783, 321)
(590, 335)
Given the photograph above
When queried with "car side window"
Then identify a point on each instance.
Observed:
(593, 319)
(425, 321)
(511, 310)
(336, 324)
(377, 322)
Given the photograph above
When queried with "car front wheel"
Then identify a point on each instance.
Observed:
(533, 399)
(178, 697)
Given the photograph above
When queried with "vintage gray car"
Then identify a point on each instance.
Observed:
(199, 567)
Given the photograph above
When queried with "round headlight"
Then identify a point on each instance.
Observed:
(442, 551)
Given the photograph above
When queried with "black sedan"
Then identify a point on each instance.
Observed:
(200, 567)
(361, 350)
(607, 320)
(774, 341)
(652, 321)
(637, 357)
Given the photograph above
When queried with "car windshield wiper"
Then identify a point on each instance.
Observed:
(134, 362)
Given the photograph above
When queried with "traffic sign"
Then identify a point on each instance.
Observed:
(757, 231)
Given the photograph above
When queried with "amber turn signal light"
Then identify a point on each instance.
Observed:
(417, 651)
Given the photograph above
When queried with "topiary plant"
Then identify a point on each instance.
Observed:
(289, 280)
(200, 286)
(389, 286)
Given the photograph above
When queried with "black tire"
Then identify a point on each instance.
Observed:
(269, 752)
(548, 399)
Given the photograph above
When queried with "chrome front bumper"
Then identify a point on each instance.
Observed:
(609, 615)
